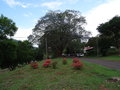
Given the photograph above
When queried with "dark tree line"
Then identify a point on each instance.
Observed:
(13, 52)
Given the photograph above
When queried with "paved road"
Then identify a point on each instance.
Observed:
(109, 64)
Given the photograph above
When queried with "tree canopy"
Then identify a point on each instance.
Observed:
(7, 27)
(111, 29)
(59, 29)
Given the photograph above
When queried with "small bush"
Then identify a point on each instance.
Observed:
(34, 65)
(47, 63)
(77, 65)
(75, 60)
(54, 64)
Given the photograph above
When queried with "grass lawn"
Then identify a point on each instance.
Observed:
(90, 77)
(111, 58)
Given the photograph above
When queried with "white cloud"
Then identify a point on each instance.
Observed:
(52, 5)
(101, 14)
(12, 3)
(22, 33)
(28, 14)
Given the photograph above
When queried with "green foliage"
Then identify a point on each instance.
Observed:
(91, 52)
(38, 53)
(101, 45)
(25, 52)
(7, 27)
(75, 46)
(104, 45)
(111, 29)
(8, 47)
(54, 64)
(112, 51)
(93, 42)
(8, 54)
(14, 52)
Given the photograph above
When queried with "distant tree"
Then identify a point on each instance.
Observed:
(92, 42)
(111, 29)
(58, 29)
(104, 44)
(74, 47)
(7, 27)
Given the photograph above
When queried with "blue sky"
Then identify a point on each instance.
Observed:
(25, 13)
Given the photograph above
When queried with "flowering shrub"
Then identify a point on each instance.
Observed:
(75, 60)
(77, 65)
(34, 65)
(47, 63)
(54, 64)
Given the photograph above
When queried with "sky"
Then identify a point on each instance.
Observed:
(26, 13)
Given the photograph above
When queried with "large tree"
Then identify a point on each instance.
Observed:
(111, 29)
(7, 46)
(59, 29)
(7, 27)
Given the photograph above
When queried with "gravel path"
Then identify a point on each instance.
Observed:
(109, 64)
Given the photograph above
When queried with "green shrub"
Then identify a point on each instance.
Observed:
(54, 64)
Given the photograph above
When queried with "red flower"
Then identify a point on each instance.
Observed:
(77, 65)
(75, 60)
(47, 63)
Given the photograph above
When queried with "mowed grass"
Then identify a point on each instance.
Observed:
(64, 77)
(110, 58)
